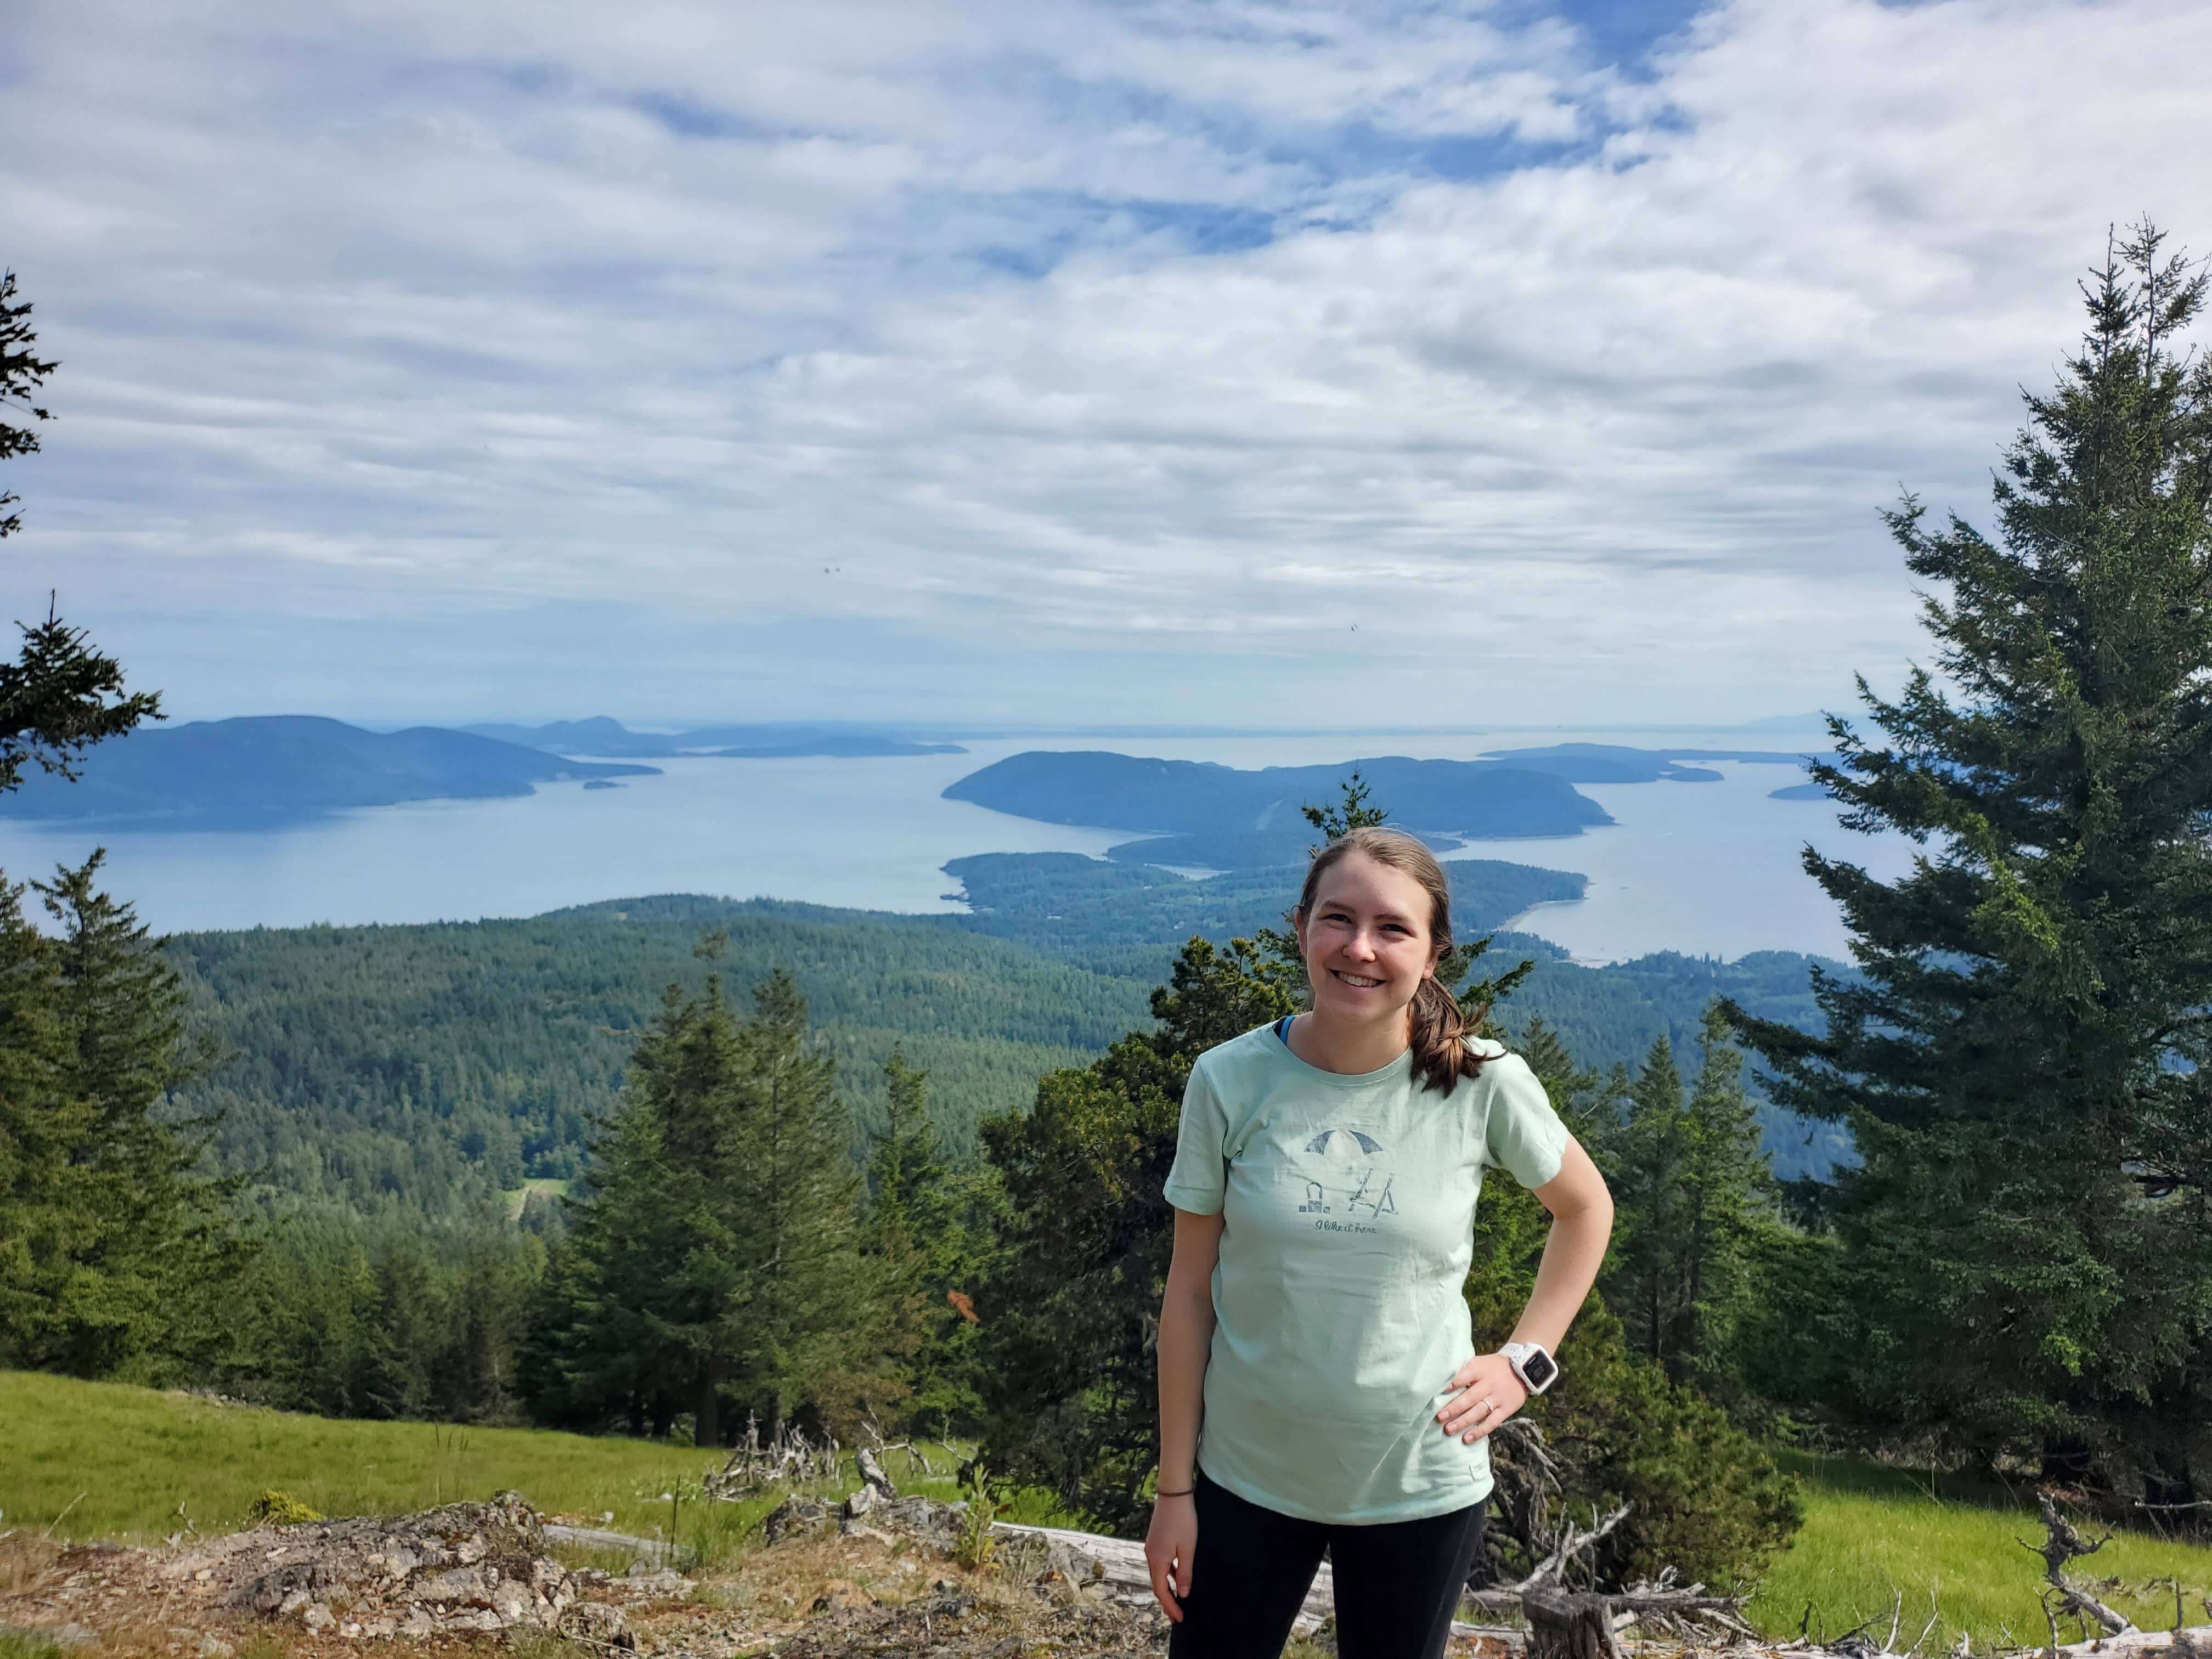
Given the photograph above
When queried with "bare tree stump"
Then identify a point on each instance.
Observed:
(1564, 1623)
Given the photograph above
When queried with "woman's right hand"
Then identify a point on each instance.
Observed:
(1170, 1543)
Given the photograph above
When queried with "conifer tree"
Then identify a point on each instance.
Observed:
(1644, 1160)
(714, 1257)
(814, 1310)
(46, 1187)
(60, 695)
(106, 1233)
(928, 1231)
(124, 1281)
(2021, 1059)
(1732, 1229)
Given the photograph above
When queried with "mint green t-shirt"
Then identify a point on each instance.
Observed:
(1348, 1206)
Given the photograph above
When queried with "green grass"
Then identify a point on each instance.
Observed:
(102, 1460)
(1872, 1533)
(137, 1454)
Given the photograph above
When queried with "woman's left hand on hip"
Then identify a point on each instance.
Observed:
(1487, 1393)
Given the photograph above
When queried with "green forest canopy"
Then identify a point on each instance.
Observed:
(426, 1065)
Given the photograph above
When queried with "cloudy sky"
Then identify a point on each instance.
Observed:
(1153, 361)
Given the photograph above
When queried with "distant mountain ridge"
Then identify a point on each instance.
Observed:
(263, 768)
(601, 735)
(1214, 816)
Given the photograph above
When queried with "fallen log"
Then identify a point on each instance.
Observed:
(2195, 1641)
(653, 1550)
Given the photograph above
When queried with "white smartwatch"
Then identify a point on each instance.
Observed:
(1532, 1364)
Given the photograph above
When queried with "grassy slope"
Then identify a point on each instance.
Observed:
(1871, 1532)
(120, 1460)
(136, 1455)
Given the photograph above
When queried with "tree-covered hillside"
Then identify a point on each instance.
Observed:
(428, 1064)
(423, 1063)
(1129, 918)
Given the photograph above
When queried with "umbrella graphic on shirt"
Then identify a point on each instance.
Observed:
(1352, 1146)
(1368, 1143)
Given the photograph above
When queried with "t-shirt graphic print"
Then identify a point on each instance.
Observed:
(1348, 1205)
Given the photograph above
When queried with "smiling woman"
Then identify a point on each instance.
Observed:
(1318, 1386)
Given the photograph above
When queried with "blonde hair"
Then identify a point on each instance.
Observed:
(1442, 1051)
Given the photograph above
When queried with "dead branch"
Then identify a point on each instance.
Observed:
(2063, 1542)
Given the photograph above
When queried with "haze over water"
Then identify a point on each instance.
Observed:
(1707, 868)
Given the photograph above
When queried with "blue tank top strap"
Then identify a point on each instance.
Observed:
(1282, 1029)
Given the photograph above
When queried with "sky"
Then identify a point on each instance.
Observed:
(1248, 363)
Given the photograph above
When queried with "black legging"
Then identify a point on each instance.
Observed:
(1397, 1581)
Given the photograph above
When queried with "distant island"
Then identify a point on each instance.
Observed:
(770, 741)
(1216, 817)
(1065, 902)
(267, 768)
(1611, 762)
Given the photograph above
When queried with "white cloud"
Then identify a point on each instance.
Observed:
(1079, 342)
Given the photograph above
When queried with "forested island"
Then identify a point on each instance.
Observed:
(263, 769)
(1206, 815)
(766, 741)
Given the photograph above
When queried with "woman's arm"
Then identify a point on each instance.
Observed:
(1186, 1338)
(1581, 1222)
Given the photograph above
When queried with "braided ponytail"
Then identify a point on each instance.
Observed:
(1443, 1050)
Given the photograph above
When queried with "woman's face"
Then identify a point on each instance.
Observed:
(1366, 941)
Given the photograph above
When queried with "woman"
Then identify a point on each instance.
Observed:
(1318, 1386)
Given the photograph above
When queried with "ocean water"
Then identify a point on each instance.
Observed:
(1709, 868)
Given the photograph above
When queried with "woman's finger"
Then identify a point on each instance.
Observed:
(1481, 1430)
(1183, 1568)
(1467, 1410)
(1164, 1586)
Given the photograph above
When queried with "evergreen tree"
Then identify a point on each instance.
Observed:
(124, 1285)
(1732, 1227)
(60, 695)
(2022, 1060)
(47, 1186)
(715, 1257)
(22, 373)
(814, 1310)
(929, 1231)
(1643, 1158)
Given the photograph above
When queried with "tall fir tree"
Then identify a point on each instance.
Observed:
(46, 1183)
(2022, 1058)
(60, 695)
(816, 1310)
(930, 1229)
(126, 1284)
(714, 1260)
(1645, 1157)
(1732, 1230)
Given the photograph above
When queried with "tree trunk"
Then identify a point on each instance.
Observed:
(706, 1425)
(1563, 1624)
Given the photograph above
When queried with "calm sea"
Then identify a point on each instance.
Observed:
(1704, 868)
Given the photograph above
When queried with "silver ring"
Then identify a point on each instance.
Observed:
(1488, 1405)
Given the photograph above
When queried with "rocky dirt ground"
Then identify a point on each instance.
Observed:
(481, 1576)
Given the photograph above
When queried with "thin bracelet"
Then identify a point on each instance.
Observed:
(1185, 1492)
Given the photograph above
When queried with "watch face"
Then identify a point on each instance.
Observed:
(1536, 1367)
